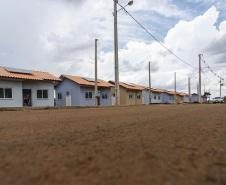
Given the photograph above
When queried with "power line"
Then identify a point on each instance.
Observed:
(216, 67)
(155, 38)
(212, 71)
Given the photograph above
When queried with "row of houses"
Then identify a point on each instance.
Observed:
(19, 88)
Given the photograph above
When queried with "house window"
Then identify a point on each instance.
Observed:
(1, 93)
(42, 94)
(6, 93)
(130, 96)
(154, 97)
(159, 97)
(59, 96)
(104, 96)
(45, 94)
(138, 96)
(88, 95)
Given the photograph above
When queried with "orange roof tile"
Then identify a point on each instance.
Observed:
(32, 75)
(170, 92)
(156, 90)
(130, 86)
(183, 94)
(178, 93)
(86, 81)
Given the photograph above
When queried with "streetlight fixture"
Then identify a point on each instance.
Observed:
(115, 14)
(130, 3)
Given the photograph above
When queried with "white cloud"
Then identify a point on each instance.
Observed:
(162, 7)
(187, 39)
(58, 36)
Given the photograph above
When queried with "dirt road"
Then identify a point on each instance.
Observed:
(143, 145)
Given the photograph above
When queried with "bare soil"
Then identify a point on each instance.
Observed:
(140, 145)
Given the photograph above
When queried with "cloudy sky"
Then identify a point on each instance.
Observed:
(58, 36)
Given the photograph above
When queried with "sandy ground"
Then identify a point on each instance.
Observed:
(143, 145)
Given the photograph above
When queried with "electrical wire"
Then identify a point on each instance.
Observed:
(155, 38)
(212, 71)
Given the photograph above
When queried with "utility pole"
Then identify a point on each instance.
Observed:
(96, 88)
(150, 95)
(197, 88)
(200, 79)
(189, 89)
(175, 87)
(117, 93)
(220, 86)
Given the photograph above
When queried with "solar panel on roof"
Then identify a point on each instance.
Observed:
(91, 79)
(132, 85)
(15, 70)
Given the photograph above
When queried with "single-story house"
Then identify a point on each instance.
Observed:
(179, 98)
(80, 91)
(130, 94)
(204, 99)
(161, 96)
(157, 96)
(20, 87)
(195, 98)
(168, 97)
(185, 97)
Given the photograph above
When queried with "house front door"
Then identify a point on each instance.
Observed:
(27, 98)
(98, 100)
(68, 99)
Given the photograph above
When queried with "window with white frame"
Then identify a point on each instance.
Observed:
(42, 94)
(130, 96)
(59, 96)
(159, 97)
(154, 97)
(6, 93)
(104, 96)
(88, 95)
(138, 96)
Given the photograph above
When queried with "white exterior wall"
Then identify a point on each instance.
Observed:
(78, 94)
(84, 101)
(36, 85)
(17, 100)
(186, 99)
(145, 97)
(157, 100)
(194, 98)
(72, 88)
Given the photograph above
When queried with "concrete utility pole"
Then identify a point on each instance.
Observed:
(175, 87)
(220, 86)
(197, 88)
(117, 93)
(189, 89)
(96, 88)
(150, 95)
(200, 79)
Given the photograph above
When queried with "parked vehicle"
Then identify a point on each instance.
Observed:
(218, 100)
